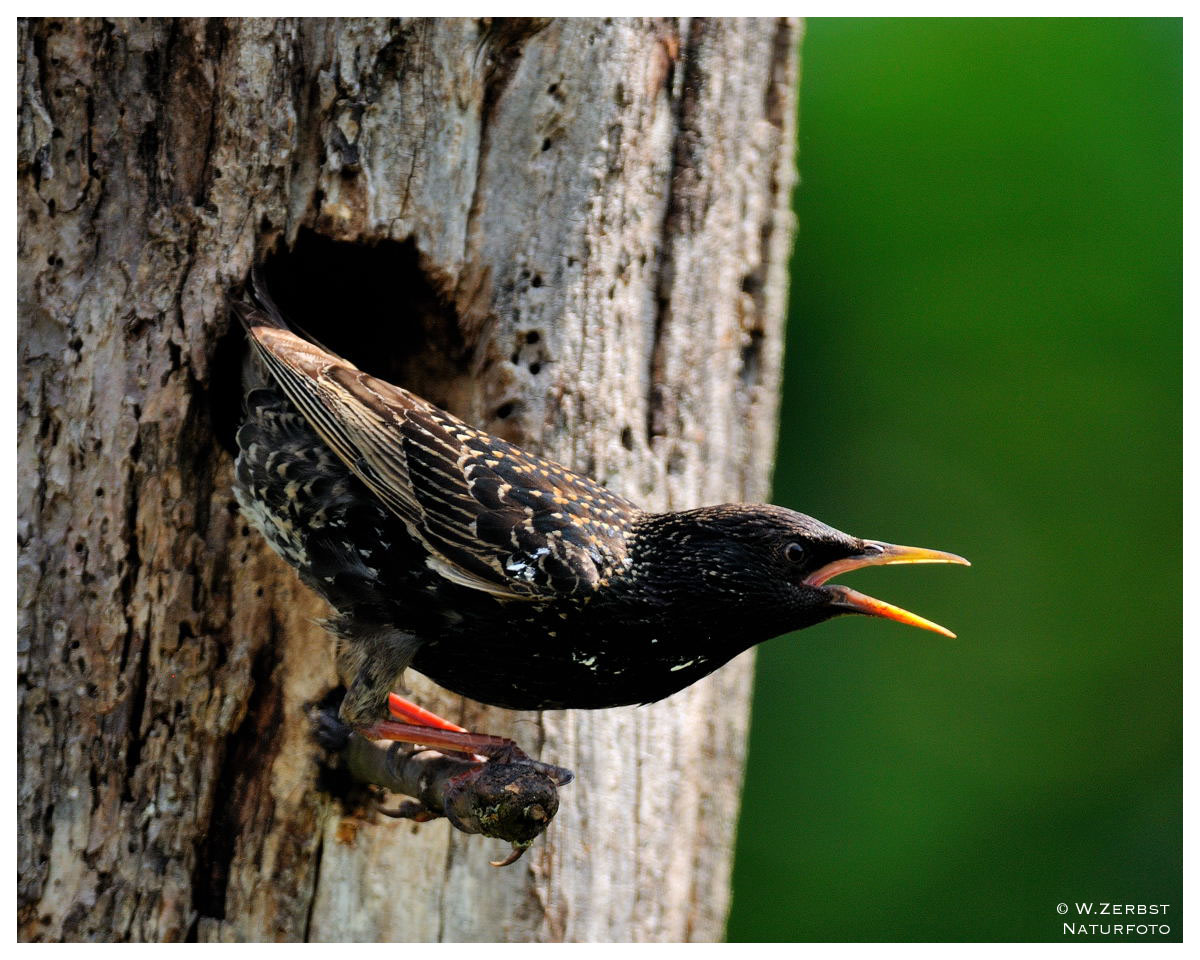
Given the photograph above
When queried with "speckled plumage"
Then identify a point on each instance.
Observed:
(500, 575)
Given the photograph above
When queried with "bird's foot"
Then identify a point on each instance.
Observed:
(330, 730)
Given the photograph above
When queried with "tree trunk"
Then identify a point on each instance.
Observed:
(571, 233)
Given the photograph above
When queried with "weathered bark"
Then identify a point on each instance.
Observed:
(571, 233)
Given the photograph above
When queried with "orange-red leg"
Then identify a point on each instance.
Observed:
(409, 712)
(499, 749)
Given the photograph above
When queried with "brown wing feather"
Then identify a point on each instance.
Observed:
(493, 517)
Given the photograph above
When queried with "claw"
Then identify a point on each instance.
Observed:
(412, 810)
(517, 852)
(560, 775)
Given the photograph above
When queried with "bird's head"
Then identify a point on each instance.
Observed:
(772, 567)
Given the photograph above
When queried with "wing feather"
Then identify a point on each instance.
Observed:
(492, 517)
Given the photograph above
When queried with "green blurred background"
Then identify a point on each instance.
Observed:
(984, 355)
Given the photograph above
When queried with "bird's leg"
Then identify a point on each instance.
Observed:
(410, 713)
(406, 710)
(498, 749)
(482, 746)
(375, 664)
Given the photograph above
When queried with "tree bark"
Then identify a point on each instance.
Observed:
(571, 233)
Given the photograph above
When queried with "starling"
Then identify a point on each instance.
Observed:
(503, 576)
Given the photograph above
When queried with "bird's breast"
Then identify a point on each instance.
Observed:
(564, 655)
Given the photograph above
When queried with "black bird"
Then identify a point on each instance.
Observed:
(503, 576)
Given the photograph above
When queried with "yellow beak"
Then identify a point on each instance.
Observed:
(876, 554)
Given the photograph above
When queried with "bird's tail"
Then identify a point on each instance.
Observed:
(259, 310)
(271, 334)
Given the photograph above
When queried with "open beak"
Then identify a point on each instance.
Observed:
(876, 554)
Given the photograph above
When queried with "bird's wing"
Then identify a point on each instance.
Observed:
(493, 517)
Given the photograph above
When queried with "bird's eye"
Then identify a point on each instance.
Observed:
(793, 553)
